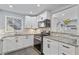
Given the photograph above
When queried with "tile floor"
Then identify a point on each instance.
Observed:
(27, 51)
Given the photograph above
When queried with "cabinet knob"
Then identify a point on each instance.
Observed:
(16, 40)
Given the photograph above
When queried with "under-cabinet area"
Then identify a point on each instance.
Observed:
(50, 29)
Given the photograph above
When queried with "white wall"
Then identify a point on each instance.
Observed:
(71, 13)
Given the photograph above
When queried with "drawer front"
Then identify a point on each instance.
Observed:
(66, 49)
(62, 52)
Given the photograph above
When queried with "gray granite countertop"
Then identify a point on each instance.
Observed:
(14, 35)
(63, 40)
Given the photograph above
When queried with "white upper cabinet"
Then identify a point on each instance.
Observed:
(30, 22)
(43, 16)
(1, 46)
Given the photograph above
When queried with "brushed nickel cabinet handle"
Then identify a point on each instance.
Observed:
(66, 46)
(63, 53)
(16, 40)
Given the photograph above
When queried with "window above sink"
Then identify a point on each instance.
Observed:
(13, 23)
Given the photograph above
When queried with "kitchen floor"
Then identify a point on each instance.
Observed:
(26, 51)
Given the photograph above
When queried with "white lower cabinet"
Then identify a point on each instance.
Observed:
(65, 49)
(9, 44)
(25, 41)
(50, 47)
(16, 43)
(1, 46)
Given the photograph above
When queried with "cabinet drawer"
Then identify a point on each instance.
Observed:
(65, 48)
(65, 53)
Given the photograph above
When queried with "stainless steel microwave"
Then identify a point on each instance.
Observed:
(45, 23)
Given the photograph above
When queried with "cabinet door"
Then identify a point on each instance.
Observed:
(31, 40)
(50, 47)
(27, 22)
(1, 42)
(9, 44)
(31, 22)
(46, 47)
(34, 22)
(54, 47)
(25, 41)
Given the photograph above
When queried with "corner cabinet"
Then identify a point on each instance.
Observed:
(50, 47)
(31, 22)
(25, 41)
(15, 43)
(9, 44)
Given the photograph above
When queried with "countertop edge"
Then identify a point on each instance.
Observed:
(62, 42)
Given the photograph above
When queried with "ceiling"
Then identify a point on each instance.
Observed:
(31, 9)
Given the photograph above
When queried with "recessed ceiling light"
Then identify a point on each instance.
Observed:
(31, 12)
(63, 14)
(10, 6)
(38, 5)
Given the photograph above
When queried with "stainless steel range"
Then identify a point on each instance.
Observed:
(37, 42)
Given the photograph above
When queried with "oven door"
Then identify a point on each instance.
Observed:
(37, 44)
